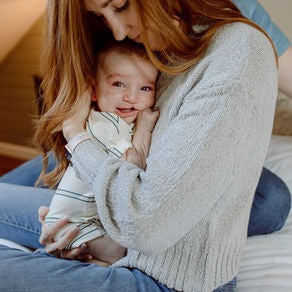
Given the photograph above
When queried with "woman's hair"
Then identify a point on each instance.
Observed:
(199, 21)
(74, 35)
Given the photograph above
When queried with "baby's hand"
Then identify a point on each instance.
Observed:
(146, 120)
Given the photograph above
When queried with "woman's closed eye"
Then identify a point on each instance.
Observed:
(122, 7)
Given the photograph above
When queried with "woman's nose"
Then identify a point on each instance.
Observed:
(120, 30)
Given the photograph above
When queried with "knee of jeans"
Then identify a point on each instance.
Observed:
(281, 206)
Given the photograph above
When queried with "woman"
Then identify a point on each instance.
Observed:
(272, 199)
(184, 219)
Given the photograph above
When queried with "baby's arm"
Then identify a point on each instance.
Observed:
(145, 123)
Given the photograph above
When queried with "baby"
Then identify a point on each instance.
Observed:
(124, 94)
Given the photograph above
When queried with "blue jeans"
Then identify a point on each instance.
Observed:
(19, 222)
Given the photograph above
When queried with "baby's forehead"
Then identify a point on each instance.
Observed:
(115, 62)
(115, 54)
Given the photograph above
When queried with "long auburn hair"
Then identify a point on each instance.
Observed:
(73, 36)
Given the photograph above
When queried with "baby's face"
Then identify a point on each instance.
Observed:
(125, 85)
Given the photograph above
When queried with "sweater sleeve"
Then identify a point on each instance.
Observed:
(209, 144)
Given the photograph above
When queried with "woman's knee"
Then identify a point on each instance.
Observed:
(271, 205)
(28, 173)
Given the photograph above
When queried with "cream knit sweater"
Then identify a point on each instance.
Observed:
(184, 219)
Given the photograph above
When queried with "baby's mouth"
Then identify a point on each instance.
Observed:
(126, 112)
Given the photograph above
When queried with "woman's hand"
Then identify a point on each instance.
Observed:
(102, 251)
(75, 123)
(58, 247)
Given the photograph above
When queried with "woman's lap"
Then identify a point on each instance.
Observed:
(18, 213)
(42, 272)
(27, 173)
(271, 205)
(269, 211)
(19, 222)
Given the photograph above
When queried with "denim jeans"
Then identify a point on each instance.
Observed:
(19, 222)
(23, 272)
(39, 271)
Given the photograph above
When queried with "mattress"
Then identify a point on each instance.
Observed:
(266, 264)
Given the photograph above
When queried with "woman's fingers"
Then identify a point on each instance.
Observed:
(61, 243)
(58, 247)
(43, 211)
(76, 253)
(49, 231)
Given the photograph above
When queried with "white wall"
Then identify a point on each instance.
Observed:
(16, 18)
(281, 13)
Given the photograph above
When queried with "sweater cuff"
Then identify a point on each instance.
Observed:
(86, 159)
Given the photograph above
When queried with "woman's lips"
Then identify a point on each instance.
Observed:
(137, 39)
(125, 113)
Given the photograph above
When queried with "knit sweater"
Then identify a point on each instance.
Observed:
(184, 219)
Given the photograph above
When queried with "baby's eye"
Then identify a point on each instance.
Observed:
(118, 84)
(146, 88)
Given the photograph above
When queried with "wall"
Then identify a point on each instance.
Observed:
(16, 18)
(17, 94)
(281, 13)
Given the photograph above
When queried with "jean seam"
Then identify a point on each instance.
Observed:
(21, 227)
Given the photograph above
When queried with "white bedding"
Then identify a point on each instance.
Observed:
(266, 264)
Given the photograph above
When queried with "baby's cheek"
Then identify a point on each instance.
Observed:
(148, 102)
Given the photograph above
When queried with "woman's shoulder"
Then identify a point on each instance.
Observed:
(236, 50)
(241, 38)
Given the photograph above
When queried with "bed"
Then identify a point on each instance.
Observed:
(266, 264)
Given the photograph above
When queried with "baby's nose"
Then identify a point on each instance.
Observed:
(130, 98)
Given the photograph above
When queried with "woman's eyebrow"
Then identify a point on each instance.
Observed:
(105, 4)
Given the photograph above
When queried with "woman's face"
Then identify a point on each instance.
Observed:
(121, 18)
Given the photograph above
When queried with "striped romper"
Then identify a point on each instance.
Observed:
(73, 198)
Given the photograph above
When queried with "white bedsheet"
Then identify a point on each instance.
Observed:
(266, 264)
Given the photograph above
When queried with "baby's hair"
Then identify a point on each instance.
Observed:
(127, 47)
